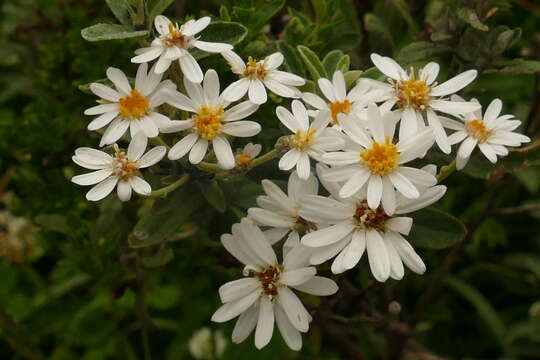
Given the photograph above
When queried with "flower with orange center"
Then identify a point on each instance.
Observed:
(478, 130)
(208, 121)
(302, 140)
(134, 106)
(269, 278)
(175, 37)
(381, 158)
(122, 167)
(255, 69)
(339, 107)
(412, 93)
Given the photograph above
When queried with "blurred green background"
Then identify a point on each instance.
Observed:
(70, 284)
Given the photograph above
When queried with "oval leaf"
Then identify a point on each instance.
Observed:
(221, 32)
(434, 229)
(100, 32)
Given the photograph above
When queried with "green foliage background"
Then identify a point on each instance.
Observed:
(79, 297)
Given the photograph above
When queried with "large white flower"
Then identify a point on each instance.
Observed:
(279, 211)
(210, 122)
(266, 297)
(338, 101)
(128, 107)
(121, 170)
(256, 75)
(353, 227)
(491, 133)
(309, 140)
(417, 93)
(376, 161)
(174, 43)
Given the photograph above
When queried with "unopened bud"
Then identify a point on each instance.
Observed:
(394, 308)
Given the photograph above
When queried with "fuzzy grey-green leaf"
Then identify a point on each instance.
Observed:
(100, 32)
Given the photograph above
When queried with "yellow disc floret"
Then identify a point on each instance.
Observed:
(381, 158)
(208, 121)
(176, 38)
(303, 139)
(412, 93)
(478, 130)
(134, 106)
(255, 69)
(336, 108)
(123, 168)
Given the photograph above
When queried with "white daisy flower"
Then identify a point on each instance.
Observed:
(256, 75)
(128, 107)
(376, 161)
(174, 43)
(491, 133)
(353, 227)
(266, 297)
(121, 170)
(309, 140)
(417, 93)
(338, 101)
(210, 122)
(245, 156)
(279, 211)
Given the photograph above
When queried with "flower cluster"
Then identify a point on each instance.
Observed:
(359, 143)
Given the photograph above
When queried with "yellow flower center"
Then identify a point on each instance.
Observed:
(367, 218)
(243, 159)
(478, 130)
(208, 121)
(269, 278)
(412, 93)
(123, 168)
(336, 108)
(255, 69)
(134, 106)
(176, 38)
(381, 158)
(303, 139)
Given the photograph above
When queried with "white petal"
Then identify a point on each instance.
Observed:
(399, 224)
(102, 189)
(327, 236)
(93, 156)
(292, 336)
(319, 286)
(257, 92)
(376, 124)
(152, 157)
(355, 250)
(278, 196)
(180, 101)
(162, 24)
(123, 190)
(102, 120)
(327, 89)
(339, 85)
(140, 186)
(408, 125)
(295, 311)
(101, 109)
(314, 100)
(407, 253)
(162, 64)
(92, 177)
(440, 135)
(242, 128)
(236, 90)
(379, 262)
(396, 265)
(428, 197)
(324, 209)
(182, 147)
(237, 64)
(388, 199)
(289, 159)
(288, 119)
(257, 242)
(454, 84)
(119, 80)
(265, 323)
(374, 191)
(240, 111)
(467, 148)
(303, 167)
(454, 107)
(493, 111)
(148, 55)
(388, 67)
(212, 47)
(234, 290)
(198, 151)
(223, 152)
(418, 176)
(195, 27)
(136, 147)
(273, 61)
(403, 185)
(245, 324)
(355, 183)
(190, 68)
(269, 218)
(211, 87)
(297, 276)
(104, 92)
(232, 309)
(114, 132)
(429, 72)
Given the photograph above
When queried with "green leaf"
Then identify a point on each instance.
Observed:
(517, 67)
(293, 63)
(165, 217)
(157, 7)
(434, 229)
(523, 260)
(506, 40)
(351, 77)
(100, 32)
(405, 12)
(214, 195)
(223, 32)
(312, 62)
(53, 222)
(344, 63)
(379, 31)
(321, 8)
(420, 51)
(471, 17)
(483, 307)
(159, 259)
(120, 10)
(224, 13)
(331, 60)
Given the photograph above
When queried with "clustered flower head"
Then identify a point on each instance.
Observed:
(362, 143)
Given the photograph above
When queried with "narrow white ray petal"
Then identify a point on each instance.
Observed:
(290, 334)
(196, 26)
(454, 84)
(403, 185)
(327, 89)
(245, 324)
(223, 152)
(429, 72)
(149, 54)
(161, 24)
(388, 67)
(234, 290)
(388, 199)
(269, 218)
(428, 197)
(297, 276)
(198, 151)
(338, 81)
(401, 224)
(418, 176)
(101, 109)
(397, 270)
(319, 286)
(182, 147)
(236, 90)
(355, 249)
(119, 80)
(273, 61)
(241, 128)
(240, 111)
(493, 111)
(162, 64)
(140, 186)
(379, 262)
(289, 159)
(212, 47)
(314, 100)
(105, 92)
(294, 309)
(374, 191)
(278, 196)
(303, 166)
(355, 183)
(123, 190)
(407, 253)
(375, 122)
(102, 189)
(232, 309)
(102, 120)
(190, 68)
(440, 135)
(328, 235)
(265, 323)
(92, 177)
(257, 92)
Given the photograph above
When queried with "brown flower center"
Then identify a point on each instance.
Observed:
(123, 168)
(367, 218)
(269, 278)
(176, 38)
(337, 108)
(478, 130)
(134, 106)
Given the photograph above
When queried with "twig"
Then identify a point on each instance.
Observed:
(142, 308)
(518, 209)
(446, 171)
(340, 337)
(526, 149)
(169, 188)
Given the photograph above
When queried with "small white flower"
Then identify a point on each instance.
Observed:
(308, 140)
(121, 170)
(174, 43)
(266, 297)
(247, 154)
(417, 93)
(491, 133)
(338, 101)
(256, 75)
(353, 227)
(204, 345)
(279, 211)
(210, 122)
(128, 107)
(376, 161)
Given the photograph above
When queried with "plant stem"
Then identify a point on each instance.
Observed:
(446, 171)
(272, 154)
(169, 188)
(142, 307)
